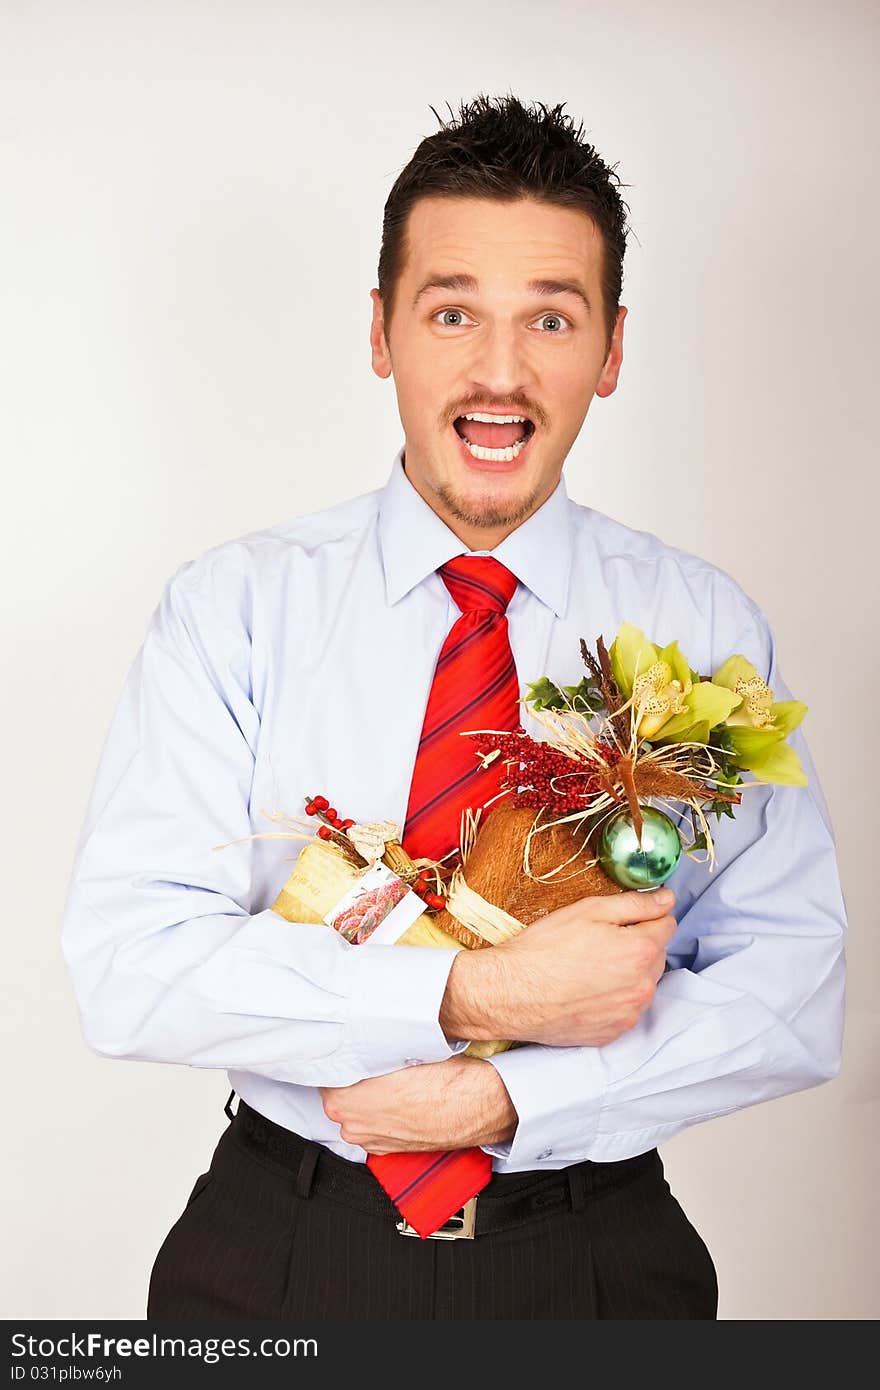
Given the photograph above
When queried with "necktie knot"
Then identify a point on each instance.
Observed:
(479, 582)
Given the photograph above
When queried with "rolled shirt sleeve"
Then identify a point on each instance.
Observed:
(167, 962)
(751, 1005)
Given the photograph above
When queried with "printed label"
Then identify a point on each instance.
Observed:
(379, 907)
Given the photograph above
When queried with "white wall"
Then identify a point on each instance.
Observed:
(191, 207)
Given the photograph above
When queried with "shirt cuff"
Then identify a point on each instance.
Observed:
(396, 993)
(557, 1094)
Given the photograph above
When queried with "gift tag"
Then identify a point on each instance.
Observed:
(379, 907)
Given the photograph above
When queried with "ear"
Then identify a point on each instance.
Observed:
(378, 341)
(610, 372)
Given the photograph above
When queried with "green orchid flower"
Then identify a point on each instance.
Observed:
(673, 704)
(759, 724)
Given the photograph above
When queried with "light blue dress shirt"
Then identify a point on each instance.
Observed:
(297, 660)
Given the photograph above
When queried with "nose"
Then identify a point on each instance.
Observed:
(499, 368)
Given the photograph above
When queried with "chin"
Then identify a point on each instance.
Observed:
(489, 504)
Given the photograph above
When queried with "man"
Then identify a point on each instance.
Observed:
(305, 659)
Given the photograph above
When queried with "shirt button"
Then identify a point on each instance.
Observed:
(546, 1153)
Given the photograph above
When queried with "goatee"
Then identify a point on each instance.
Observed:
(489, 515)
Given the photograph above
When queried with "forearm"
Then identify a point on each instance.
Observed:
(167, 962)
(291, 1001)
(702, 1050)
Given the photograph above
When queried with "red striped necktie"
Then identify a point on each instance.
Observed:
(475, 686)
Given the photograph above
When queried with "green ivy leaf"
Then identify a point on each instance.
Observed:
(543, 694)
(585, 696)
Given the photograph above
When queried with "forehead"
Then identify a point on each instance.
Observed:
(519, 239)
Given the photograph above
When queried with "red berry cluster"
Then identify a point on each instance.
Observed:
(420, 886)
(533, 766)
(319, 806)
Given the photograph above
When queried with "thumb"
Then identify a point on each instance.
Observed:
(634, 906)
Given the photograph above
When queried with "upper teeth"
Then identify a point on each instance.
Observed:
(498, 419)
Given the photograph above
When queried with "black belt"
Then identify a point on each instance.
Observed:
(508, 1199)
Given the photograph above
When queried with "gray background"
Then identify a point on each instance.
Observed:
(191, 213)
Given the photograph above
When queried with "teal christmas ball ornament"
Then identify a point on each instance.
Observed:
(639, 866)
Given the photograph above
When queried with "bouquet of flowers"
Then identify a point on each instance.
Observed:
(586, 810)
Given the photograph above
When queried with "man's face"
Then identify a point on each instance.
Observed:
(494, 342)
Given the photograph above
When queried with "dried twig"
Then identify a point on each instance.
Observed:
(591, 663)
(608, 687)
(340, 838)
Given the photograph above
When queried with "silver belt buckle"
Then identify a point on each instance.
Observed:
(460, 1226)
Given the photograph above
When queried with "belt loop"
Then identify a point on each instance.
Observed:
(579, 1185)
(230, 1113)
(306, 1171)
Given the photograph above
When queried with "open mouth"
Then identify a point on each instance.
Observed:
(494, 438)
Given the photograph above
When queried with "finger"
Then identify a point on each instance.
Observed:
(632, 907)
(660, 931)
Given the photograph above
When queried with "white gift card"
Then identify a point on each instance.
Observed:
(379, 907)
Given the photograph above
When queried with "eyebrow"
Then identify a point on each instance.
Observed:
(467, 284)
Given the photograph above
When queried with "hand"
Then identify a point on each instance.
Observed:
(435, 1105)
(573, 978)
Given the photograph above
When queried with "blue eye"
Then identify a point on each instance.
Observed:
(558, 317)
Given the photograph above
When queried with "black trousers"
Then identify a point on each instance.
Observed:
(264, 1234)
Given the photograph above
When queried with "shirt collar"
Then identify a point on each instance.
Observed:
(414, 542)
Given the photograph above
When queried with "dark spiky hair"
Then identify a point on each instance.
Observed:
(498, 148)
